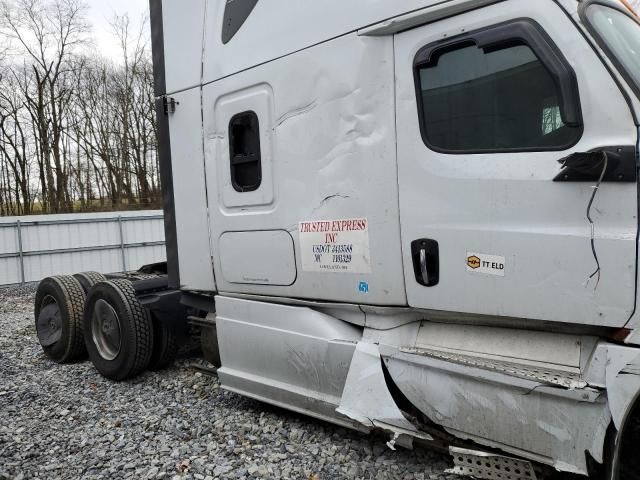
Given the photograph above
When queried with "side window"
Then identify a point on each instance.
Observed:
(244, 152)
(498, 97)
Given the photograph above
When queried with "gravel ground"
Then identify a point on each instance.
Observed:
(66, 421)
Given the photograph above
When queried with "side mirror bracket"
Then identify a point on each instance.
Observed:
(587, 166)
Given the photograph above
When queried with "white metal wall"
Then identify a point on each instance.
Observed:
(34, 247)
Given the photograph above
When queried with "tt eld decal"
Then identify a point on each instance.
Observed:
(482, 263)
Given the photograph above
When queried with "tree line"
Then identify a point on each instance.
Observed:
(77, 130)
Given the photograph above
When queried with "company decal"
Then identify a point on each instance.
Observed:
(486, 264)
(340, 246)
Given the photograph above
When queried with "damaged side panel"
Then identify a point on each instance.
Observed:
(287, 356)
(522, 418)
(366, 398)
(327, 147)
(553, 409)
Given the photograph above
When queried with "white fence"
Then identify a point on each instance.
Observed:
(34, 247)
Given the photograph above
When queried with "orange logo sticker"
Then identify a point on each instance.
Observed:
(473, 262)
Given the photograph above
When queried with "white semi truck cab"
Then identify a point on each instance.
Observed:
(417, 216)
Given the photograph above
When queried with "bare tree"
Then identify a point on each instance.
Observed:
(76, 131)
(47, 33)
(14, 144)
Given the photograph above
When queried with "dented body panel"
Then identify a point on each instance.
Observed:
(309, 362)
(472, 403)
(363, 275)
(328, 154)
(305, 366)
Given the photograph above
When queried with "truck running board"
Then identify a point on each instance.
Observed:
(485, 465)
(543, 374)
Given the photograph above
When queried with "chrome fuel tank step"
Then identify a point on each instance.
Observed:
(489, 466)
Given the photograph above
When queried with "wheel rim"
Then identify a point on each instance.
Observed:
(49, 324)
(105, 330)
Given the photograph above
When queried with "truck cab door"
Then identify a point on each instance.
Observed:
(507, 122)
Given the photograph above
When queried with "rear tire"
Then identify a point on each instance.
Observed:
(58, 314)
(624, 463)
(89, 279)
(165, 346)
(118, 330)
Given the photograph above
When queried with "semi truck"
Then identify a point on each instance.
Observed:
(418, 217)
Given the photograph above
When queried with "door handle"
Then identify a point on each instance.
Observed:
(426, 262)
(424, 272)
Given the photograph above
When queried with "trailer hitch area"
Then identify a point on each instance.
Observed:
(367, 400)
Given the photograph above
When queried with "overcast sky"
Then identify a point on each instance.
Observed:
(100, 14)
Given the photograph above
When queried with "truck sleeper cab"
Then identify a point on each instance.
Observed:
(414, 183)
(416, 216)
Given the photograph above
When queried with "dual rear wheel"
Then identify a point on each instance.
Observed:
(86, 313)
(58, 311)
